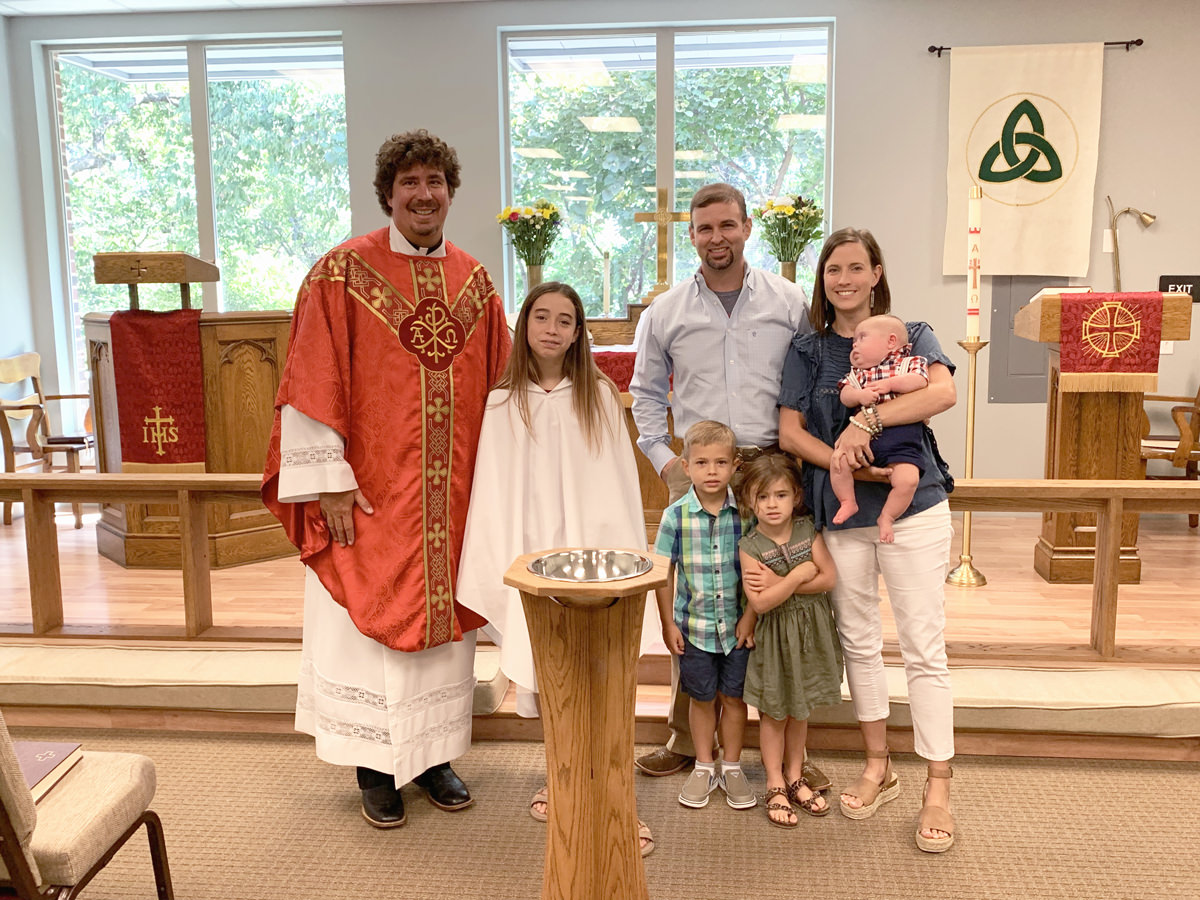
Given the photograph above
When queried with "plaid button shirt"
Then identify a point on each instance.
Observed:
(708, 574)
(895, 363)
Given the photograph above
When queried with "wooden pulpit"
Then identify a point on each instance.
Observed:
(1093, 431)
(242, 356)
(585, 639)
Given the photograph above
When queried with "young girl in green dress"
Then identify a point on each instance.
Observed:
(797, 662)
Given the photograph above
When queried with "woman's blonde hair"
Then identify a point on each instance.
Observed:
(578, 365)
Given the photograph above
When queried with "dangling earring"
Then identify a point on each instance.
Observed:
(872, 299)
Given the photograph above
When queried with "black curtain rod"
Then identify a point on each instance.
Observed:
(1128, 45)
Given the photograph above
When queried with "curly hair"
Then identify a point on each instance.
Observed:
(401, 152)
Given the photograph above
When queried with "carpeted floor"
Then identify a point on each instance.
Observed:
(250, 816)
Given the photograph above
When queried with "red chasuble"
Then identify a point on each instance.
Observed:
(396, 353)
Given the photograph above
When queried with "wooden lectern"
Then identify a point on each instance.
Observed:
(169, 267)
(1092, 432)
(585, 639)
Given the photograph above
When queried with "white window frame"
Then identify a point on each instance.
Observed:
(209, 247)
(664, 60)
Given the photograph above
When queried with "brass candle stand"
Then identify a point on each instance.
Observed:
(965, 574)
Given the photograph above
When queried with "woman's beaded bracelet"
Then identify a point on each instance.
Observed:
(871, 414)
(867, 428)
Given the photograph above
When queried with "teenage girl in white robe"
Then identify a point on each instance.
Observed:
(555, 469)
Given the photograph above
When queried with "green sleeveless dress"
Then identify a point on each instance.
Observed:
(796, 664)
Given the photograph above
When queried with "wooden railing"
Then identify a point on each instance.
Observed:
(1108, 500)
(39, 494)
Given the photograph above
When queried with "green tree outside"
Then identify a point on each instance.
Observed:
(729, 114)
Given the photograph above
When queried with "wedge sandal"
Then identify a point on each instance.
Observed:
(873, 794)
(935, 818)
(542, 796)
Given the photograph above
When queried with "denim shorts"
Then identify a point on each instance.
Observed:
(703, 674)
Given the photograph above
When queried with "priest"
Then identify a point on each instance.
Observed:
(395, 339)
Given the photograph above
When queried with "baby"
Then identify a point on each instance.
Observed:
(880, 370)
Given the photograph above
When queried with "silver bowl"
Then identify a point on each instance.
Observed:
(590, 566)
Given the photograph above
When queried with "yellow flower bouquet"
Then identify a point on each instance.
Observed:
(790, 226)
(532, 229)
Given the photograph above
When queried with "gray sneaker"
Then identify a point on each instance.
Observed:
(697, 788)
(738, 792)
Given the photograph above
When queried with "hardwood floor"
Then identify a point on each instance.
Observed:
(1016, 605)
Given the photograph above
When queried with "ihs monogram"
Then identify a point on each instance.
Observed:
(159, 430)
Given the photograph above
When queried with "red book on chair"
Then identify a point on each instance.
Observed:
(44, 763)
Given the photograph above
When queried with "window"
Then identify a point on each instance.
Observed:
(586, 130)
(232, 151)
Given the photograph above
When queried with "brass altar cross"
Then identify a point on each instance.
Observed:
(662, 217)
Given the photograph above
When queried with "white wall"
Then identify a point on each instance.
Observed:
(15, 309)
(436, 66)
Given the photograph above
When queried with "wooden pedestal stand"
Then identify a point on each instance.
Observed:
(585, 641)
(1091, 433)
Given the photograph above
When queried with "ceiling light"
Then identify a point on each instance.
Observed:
(809, 70)
(537, 153)
(569, 173)
(798, 122)
(610, 123)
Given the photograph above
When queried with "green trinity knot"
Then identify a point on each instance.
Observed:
(1034, 139)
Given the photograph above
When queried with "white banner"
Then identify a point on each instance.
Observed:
(1024, 127)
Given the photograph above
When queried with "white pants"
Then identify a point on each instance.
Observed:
(914, 570)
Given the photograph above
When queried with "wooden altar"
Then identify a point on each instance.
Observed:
(1094, 433)
(242, 356)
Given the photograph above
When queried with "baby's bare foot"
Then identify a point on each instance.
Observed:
(847, 509)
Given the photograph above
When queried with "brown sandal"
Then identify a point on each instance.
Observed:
(780, 807)
(873, 794)
(793, 793)
(935, 818)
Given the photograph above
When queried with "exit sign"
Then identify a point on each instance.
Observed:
(1180, 284)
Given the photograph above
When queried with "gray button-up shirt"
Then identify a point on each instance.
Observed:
(725, 367)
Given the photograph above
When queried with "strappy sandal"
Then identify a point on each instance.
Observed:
(644, 834)
(809, 805)
(935, 818)
(780, 807)
(873, 794)
(542, 796)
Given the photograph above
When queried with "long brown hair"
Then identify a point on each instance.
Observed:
(821, 313)
(578, 365)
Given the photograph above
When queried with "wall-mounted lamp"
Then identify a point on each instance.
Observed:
(1147, 219)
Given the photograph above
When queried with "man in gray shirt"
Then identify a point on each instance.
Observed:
(717, 340)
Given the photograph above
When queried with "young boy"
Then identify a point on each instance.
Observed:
(704, 620)
(881, 369)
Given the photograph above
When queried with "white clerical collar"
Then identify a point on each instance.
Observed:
(401, 244)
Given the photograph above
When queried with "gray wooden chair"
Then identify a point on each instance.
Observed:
(51, 850)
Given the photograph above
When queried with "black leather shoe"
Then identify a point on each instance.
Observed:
(383, 806)
(444, 789)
